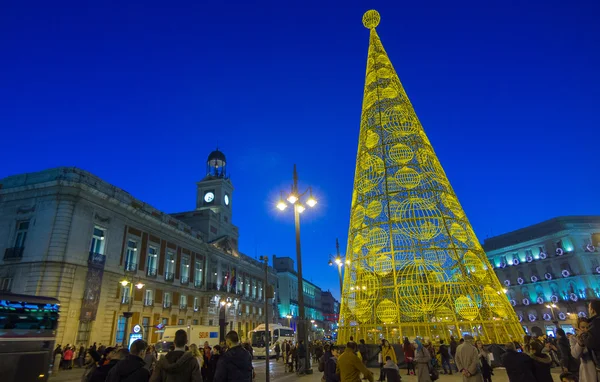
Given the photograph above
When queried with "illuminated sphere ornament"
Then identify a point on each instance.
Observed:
(474, 266)
(418, 218)
(400, 153)
(416, 267)
(371, 19)
(387, 311)
(421, 289)
(466, 308)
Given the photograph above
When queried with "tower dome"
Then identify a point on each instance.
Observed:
(216, 164)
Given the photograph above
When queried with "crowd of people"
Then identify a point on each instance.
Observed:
(531, 360)
(578, 356)
(228, 362)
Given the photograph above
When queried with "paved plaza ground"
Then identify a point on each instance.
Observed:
(278, 374)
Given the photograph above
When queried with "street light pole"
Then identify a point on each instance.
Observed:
(128, 281)
(294, 199)
(302, 333)
(266, 295)
(554, 320)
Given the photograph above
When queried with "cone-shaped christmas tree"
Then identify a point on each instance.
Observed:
(416, 267)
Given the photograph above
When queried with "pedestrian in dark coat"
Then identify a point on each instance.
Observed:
(567, 362)
(519, 366)
(235, 364)
(132, 368)
(541, 362)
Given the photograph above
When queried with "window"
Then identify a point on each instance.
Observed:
(131, 258)
(183, 301)
(146, 325)
(6, 284)
(185, 270)
(210, 322)
(167, 300)
(149, 297)
(21, 234)
(198, 274)
(98, 241)
(125, 295)
(152, 260)
(180, 321)
(83, 332)
(196, 304)
(120, 330)
(194, 322)
(169, 266)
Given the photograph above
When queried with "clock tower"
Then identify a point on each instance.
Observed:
(215, 190)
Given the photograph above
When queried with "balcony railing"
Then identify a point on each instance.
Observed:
(151, 272)
(198, 283)
(184, 280)
(169, 276)
(182, 306)
(96, 259)
(196, 308)
(148, 302)
(15, 253)
(130, 266)
(124, 300)
(167, 304)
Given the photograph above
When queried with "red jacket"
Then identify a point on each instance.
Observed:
(68, 355)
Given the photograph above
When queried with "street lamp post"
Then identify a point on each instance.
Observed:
(554, 320)
(294, 199)
(267, 294)
(339, 262)
(128, 281)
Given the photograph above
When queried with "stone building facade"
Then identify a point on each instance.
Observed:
(68, 234)
(550, 270)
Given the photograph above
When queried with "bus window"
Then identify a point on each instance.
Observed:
(258, 338)
(286, 332)
(275, 335)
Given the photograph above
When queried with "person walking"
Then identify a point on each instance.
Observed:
(178, 365)
(541, 362)
(467, 360)
(386, 351)
(150, 359)
(331, 356)
(132, 367)
(217, 350)
(391, 370)
(292, 358)
(81, 356)
(567, 362)
(302, 358)
(364, 351)
(101, 372)
(591, 338)
(349, 366)
(90, 364)
(67, 358)
(277, 351)
(519, 366)
(587, 368)
(235, 364)
(409, 356)
(206, 354)
(453, 347)
(444, 353)
(484, 360)
(197, 355)
(422, 361)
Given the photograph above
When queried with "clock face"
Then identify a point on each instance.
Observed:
(226, 199)
(209, 197)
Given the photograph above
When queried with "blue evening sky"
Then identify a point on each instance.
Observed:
(139, 93)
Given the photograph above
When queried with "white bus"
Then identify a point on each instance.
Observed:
(277, 333)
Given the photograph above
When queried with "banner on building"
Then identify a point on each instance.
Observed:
(93, 284)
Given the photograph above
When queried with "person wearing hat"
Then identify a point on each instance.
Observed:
(467, 361)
